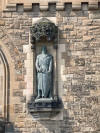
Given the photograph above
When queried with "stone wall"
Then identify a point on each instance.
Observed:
(10, 5)
(78, 75)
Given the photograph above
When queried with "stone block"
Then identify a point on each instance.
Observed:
(73, 33)
(17, 93)
(2, 22)
(22, 85)
(27, 7)
(96, 22)
(44, 6)
(94, 15)
(68, 27)
(87, 22)
(18, 108)
(87, 38)
(63, 36)
(20, 77)
(93, 5)
(60, 6)
(2, 34)
(76, 6)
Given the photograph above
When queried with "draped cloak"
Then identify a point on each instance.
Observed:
(44, 63)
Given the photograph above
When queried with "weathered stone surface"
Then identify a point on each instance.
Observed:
(76, 5)
(80, 62)
(18, 108)
(68, 27)
(78, 55)
(2, 22)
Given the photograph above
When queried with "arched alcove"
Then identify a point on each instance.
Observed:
(4, 87)
(10, 82)
(44, 34)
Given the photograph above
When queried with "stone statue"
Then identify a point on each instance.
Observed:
(44, 67)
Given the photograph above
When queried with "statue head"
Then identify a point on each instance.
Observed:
(44, 49)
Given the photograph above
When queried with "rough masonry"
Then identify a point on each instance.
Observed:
(79, 55)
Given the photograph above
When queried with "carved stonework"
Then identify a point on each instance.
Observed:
(45, 102)
(44, 109)
(43, 29)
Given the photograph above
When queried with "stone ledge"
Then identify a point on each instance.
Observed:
(10, 7)
(93, 5)
(44, 108)
(60, 5)
(41, 104)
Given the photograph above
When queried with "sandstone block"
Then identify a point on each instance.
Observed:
(63, 36)
(2, 22)
(88, 38)
(68, 27)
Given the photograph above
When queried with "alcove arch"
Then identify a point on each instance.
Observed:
(7, 53)
(4, 86)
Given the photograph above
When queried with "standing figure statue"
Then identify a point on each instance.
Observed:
(44, 67)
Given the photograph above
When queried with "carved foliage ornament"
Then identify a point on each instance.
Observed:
(43, 29)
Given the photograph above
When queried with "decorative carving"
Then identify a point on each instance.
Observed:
(44, 109)
(43, 29)
(45, 102)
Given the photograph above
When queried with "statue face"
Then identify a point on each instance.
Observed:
(44, 49)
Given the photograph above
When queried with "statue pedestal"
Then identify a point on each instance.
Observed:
(44, 108)
(44, 100)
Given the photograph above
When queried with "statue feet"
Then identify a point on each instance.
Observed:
(38, 97)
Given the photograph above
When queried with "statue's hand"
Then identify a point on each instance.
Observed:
(43, 70)
(48, 72)
(39, 70)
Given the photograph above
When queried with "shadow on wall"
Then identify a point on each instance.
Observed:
(2, 126)
(8, 127)
(46, 124)
(61, 126)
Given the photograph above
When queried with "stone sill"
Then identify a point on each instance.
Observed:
(44, 110)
